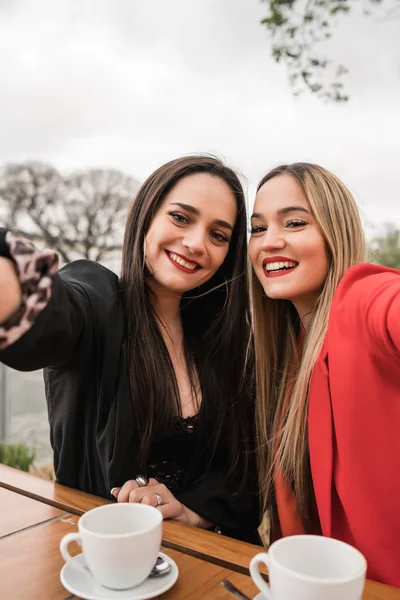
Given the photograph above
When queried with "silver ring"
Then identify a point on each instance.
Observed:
(142, 480)
(159, 499)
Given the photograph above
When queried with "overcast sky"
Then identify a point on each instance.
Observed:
(130, 84)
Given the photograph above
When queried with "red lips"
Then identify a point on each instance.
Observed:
(278, 259)
(271, 259)
(181, 267)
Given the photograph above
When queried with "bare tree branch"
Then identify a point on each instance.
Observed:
(80, 215)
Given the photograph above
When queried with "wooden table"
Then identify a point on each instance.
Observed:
(19, 512)
(35, 514)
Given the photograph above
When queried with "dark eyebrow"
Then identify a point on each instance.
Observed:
(196, 212)
(187, 207)
(283, 211)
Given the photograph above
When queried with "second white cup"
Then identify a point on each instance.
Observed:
(120, 543)
(310, 567)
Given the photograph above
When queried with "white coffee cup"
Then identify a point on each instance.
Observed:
(310, 567)
(120, 543)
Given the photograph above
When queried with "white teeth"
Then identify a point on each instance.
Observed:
(276, 266)
(182, 262)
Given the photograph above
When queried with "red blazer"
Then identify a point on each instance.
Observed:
(354, 419)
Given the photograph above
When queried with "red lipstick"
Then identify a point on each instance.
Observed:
(279, 272)
(271, 259)
(185, 258)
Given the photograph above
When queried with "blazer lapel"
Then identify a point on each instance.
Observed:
(320, 435)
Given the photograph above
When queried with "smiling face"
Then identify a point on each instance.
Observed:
(189, 236)
(287, 249)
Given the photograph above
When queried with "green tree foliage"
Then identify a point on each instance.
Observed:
(18, 456)
(300, 27)
(385, 249)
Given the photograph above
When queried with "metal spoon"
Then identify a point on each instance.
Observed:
(232, 589)
(161, 567)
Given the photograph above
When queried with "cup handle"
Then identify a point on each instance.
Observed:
(261, 557)
(66, 540)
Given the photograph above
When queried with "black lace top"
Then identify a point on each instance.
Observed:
(170, 455)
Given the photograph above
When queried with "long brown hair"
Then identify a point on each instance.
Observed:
(282, 372)
(215, 320)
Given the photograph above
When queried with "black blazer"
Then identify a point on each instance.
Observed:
(79, 340)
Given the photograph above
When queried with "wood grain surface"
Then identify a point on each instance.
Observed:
(31, 562)
(18, 512)
(57, 495)
(219, 552)
(219, 549)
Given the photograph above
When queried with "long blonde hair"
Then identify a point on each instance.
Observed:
(282, 372)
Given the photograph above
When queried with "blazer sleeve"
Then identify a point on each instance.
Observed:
(367, 303)
(235, 512)
(60, 311)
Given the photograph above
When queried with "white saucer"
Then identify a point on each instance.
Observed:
(260, 596)
(85, 586)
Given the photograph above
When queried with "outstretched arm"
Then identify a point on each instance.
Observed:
(47, 317)
(10, 296)
(368, 301)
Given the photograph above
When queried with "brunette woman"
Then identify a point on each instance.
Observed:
(327, 345)
(147, 383)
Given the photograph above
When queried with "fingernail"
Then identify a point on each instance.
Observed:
(113, 492)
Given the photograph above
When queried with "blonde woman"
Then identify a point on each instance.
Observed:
(327, 344)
